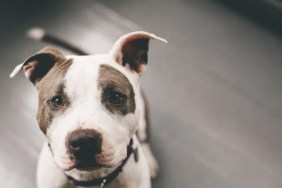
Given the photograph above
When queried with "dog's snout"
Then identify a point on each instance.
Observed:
(84, 143)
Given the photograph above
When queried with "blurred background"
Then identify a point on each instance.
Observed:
(215, 90)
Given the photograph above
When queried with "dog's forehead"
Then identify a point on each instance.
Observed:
(88, 71)
(84, 72)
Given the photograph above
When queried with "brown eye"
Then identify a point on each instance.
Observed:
(57, 101)
(117, 98)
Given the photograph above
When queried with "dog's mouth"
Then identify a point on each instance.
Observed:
(83, 166)
(87, 165)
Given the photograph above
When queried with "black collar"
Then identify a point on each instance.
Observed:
(112, 176)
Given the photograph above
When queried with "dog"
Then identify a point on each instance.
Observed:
(92, 111)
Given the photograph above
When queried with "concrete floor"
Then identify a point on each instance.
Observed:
(215, 90)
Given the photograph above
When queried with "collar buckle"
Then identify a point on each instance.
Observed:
(103, 183)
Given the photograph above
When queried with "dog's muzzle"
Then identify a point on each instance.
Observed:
(83, 145)
(103, 181)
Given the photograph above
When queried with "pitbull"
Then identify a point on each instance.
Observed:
(92, 112)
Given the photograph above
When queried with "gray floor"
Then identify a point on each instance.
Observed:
(215, 89)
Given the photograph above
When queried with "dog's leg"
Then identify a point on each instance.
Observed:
(153, 164)
(135, 173)
(143, 136)
(48, 174)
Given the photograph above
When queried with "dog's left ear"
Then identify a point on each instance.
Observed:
(132, 49)
(37, 65)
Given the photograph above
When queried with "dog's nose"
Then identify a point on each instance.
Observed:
(84, 144)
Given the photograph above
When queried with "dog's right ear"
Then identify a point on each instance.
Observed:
(38, 65)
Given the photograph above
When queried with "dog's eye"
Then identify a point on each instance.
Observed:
(117, 98)
(57, 101)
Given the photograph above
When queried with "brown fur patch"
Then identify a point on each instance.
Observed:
(111, 80)
(52, 84)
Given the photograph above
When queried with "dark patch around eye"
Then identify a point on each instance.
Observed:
(61, 97)
(52, 84)
(112, 81)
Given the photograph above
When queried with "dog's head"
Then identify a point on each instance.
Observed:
(89, 106)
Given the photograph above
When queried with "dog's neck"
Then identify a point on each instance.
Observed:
(89, 175)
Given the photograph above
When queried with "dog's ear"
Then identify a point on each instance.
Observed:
(37, 65)
(132, 49)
